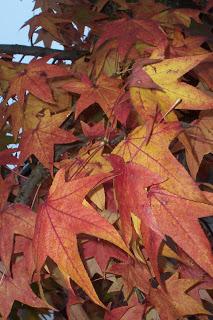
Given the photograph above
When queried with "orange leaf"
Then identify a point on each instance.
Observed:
(105, 92)
(40, 141)
(176, 303)
(61, 218)
(34, 79)
(158, 159)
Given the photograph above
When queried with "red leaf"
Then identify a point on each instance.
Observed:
(34, 79)
(17, 288)
(16, 219)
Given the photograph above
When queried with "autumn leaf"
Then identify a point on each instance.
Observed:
(16, 219)
(106, 92)
(89, 160)
(134, 275)
(158, 159)
(61, 218)
(134, 310)
(93, 247)
(187, 46)
(49, 22)
(178, 217)
(130, 186)
(40, 141)
(198, 141)
(135, 30)
(173, 92)
(17, 288)
(176, 303)
(34, 78)
(95, 131)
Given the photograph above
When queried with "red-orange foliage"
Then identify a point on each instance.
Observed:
(103, 198)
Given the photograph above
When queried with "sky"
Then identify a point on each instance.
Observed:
(13, 14)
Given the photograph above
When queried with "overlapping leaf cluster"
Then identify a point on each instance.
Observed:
(104, 198)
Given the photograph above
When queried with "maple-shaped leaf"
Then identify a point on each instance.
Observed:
(34, 79)
(16, 219)
(131, 185)
(135, 30)
(17, 288)
(61, 218)
(177, 217)
(105, 92)
(50, 22)
(134, 310)
(198, 141)
(92, 248)
(41, 140)
(134, 275)
(158, 159)
(176, 302)
(166, 74)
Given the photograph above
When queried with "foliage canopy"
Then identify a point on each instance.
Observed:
(105, 199)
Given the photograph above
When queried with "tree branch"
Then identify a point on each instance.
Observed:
(71, 54)
(37, 176)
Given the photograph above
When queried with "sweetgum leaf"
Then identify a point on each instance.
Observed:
(166, 74)
(143, 30)
(40, 141)
(34, 79)
(105, 92)
(61, 218)
(156, 157)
